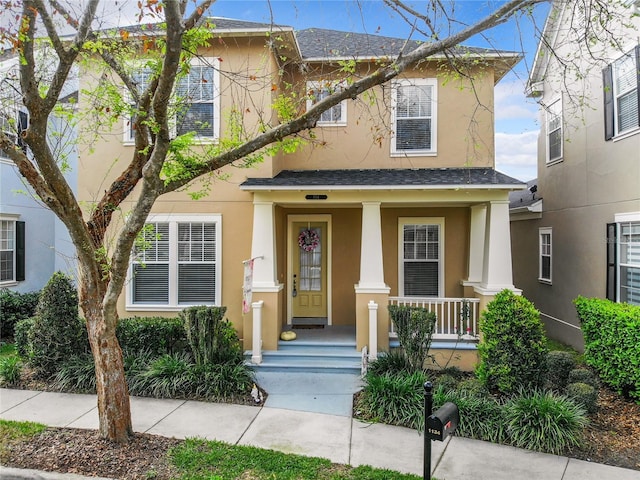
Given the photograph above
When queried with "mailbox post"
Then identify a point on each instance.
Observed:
(437, 426)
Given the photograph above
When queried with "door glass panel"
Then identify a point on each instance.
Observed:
(310, 260)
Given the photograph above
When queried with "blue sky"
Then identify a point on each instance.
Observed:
(516, 116)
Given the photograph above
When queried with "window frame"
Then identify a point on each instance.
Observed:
(612, 95)
(325, 86)
(415, 82)
(173, 263)
(622, 261)
(21, 119)
(210, 62)
(542, 233)
(440, 223)
(17, 248)
(554, 111)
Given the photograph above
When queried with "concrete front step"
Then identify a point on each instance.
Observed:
(311, 357)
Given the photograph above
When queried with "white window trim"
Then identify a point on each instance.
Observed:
(173, 220)
(322, 85)
(549, 113)
(620, 218)
(208, 62)
(617, 134)
(7, 217)
(402, 221)
(545, 231)
(434, 117)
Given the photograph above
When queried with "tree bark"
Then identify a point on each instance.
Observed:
(114, 411)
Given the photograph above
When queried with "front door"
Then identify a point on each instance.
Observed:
(309, 272)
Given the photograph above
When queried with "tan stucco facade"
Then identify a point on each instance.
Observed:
(256, 223)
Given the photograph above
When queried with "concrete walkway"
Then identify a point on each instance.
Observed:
(336, 437)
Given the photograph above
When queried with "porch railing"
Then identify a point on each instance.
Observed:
(456, 318)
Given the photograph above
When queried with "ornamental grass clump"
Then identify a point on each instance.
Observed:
(513, 347)
(396, 399)
(544, 421)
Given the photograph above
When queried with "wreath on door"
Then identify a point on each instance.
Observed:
(308, 240)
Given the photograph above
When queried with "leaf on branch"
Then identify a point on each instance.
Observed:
(124, 35)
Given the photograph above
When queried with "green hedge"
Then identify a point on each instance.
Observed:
(612, 342)
(154, 336)
(14, 307)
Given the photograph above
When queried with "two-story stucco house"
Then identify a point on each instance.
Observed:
(577, 232)
(395, 198)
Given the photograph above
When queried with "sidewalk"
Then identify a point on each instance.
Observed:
(338, 438)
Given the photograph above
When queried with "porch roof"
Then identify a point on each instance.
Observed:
(398, 179)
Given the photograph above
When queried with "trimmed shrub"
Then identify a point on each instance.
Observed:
(21, 336)
(559, 364)
(513, 346)
(414, 326)
(14, 307)
(612, 342)
(583, 394)
(544, 421)
(583, 375)
(394, 399)
(57, 332)
(212, 339)
(153, 335)
(10, 370)
(392, 362)
(473, 386)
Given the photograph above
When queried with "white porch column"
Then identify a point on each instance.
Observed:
(373, 330)
(476, 244)
(263, 245)
(371, 268)
(496, 272)
(256, 348)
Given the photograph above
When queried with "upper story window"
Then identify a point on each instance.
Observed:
(544, 266)
(554, 131)
(177, 264)
(197, 101)
(336, 115)
(414, 106)
(12, 251)
(421, 267)
(621, 90)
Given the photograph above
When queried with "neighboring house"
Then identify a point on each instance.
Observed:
(33, 242)
(581, 233)
(395, 200)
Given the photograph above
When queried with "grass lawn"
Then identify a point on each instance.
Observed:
(202, 459)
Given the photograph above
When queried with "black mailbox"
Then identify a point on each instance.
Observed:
(443, 422)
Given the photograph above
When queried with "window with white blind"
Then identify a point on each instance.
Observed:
(544, 249)
(196, 98)
(621, 94)
(336, 115)
(623, 259)
(414, 108)
(421, 262)
(176, 263)
(554, 131)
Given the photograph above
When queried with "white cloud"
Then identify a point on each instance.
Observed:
(511, 102)
(516, 154)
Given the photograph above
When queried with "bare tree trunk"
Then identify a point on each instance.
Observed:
(114, 409)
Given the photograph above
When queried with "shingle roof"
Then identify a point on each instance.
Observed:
(525, 197)
(324, 43)
(399, 178)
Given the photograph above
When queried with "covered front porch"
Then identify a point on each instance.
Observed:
(379, 237)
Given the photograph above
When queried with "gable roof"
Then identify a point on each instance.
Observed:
(410, 178)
